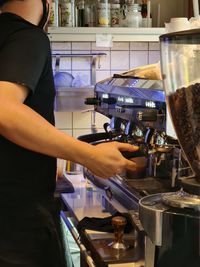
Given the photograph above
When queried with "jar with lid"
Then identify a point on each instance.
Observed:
(134, 17)
(67, 13)
(115, 13)
(53, 18)
(103, 13)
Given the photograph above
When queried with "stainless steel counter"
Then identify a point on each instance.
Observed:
(87, 201)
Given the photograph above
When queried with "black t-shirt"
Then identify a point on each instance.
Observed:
(27, 179)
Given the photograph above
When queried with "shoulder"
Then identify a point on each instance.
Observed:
(32, 35)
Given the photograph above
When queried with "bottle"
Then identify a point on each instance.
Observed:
(103, 13)
(144, 11)
(90, 13)
(81, 13)
(144, 8)
(53, 19)
(140, 15)
(87, 12)
(93, 12)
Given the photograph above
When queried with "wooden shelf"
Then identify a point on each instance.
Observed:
(85, 34)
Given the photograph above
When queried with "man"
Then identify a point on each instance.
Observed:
(29, 142)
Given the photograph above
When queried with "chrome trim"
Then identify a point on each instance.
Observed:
(75, 235)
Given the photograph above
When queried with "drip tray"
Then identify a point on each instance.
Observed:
(149, 185)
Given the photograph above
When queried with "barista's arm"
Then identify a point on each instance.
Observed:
(23, 126)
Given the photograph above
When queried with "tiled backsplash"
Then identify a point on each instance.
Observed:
(79, 123)
(121, 57)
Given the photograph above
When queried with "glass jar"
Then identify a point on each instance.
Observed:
(103, 13)
(134, 17)
(123, 16)
(53, 18)
(67, 14)
(115, 13)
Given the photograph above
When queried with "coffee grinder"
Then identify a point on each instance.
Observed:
(172, 220)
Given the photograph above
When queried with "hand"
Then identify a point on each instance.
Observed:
(108, 161)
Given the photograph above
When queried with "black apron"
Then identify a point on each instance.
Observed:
(36, 247)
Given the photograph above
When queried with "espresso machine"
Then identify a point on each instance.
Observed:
(172, 220)
(137, 111)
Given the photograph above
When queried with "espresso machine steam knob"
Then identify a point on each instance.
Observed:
(118, 223)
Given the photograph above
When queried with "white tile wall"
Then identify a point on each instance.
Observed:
(120, 46)
(101, 75)
(68, 131)
(154, 56)
(154, 46)
(81, 46)
(81, 120)
(139, 46)
(138, 58)
(63, 120)
(61, 46)
(81, 63)
(94, 47)
(103, 62)
(65, 63)
(121, 57)
(120, 60)
(100, 120)
(78, 132)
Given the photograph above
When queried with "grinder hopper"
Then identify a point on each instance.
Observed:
(180, 63)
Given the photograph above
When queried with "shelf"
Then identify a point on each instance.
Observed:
(85, 34)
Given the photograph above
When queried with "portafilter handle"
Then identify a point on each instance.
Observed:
(118, 223)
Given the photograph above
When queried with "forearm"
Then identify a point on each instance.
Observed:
(25, 127)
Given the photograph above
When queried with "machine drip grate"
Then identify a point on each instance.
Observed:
(149, 185)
